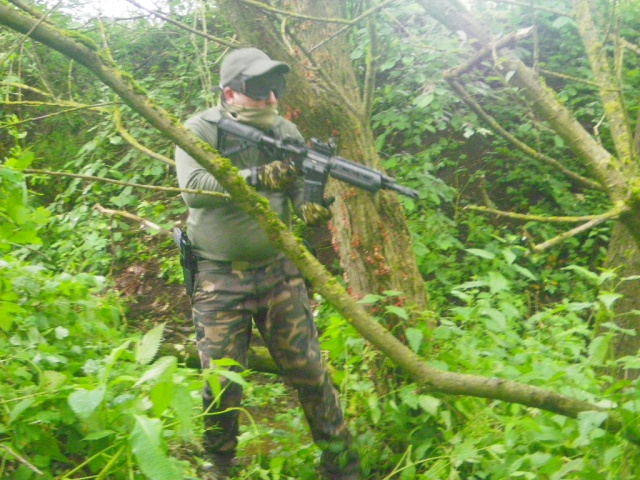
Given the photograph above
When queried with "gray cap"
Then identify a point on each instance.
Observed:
(248, 63)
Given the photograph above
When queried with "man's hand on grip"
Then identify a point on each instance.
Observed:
(277, 175)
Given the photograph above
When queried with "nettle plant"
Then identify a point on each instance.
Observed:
(78, 397)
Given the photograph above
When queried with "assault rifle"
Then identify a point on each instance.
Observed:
(315, 163)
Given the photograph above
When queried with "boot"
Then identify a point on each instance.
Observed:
(340, 466)
(219, 466)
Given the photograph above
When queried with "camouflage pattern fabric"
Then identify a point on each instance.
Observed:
(227, 297)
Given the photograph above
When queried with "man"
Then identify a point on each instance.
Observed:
(241, 276)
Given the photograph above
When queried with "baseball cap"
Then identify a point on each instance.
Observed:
(246, 63)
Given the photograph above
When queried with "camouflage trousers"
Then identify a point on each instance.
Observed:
(226, 299)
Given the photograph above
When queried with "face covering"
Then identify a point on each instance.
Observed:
(260, 117)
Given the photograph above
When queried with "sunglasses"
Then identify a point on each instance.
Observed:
(260, 88)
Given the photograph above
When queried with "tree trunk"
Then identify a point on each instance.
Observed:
(623, 257)
(325, 100)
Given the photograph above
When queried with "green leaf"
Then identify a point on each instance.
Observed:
(19, 408)
(374, 408)
(584, 273)
(497, 282)
(589, 421)
(148, 449)
(158, 369)
(98, 435)
(509, 256)
(496, 321)
(562, 22)
(429, 404)
(414, 337)
(608, 299)
(235, 377)
(599, 349)
(423, 100)
(149, 345)
(182, 405)
(399, 311)
(85, 402)
(480, 253)
(8, 312)
(525, 272)
(22, 161)
(161, 396)
(369, 298)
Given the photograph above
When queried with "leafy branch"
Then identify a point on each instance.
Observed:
(452, 76)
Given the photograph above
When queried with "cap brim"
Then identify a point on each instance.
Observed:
(266, 66)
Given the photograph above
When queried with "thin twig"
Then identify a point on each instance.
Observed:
(630, 46)
(131, 216)
(575, 79)
(485, 195)
(168, 19)
(126, 184)
(371, 68)
(22, 460)
(489, 49)
(536, 7)
(269, 8)
(96, 107)
(22, 86)
(571, 233)
(328, 85)
(363, 15)
(591, 221)
(415, 40)
(117, 118)
(616, 212)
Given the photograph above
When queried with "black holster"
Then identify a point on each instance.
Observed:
(188, 260)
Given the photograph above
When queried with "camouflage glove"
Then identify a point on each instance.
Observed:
(276, 175)
(315, 214)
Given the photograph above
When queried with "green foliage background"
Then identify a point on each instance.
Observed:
(83, 392)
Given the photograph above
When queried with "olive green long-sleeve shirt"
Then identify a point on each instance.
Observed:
(217, 227)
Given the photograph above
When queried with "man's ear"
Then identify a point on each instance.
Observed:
(228, 94)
